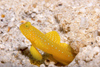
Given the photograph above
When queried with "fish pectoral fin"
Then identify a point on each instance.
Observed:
(35, 53)
(54, 36)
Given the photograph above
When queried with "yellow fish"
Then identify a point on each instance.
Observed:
(49, 43)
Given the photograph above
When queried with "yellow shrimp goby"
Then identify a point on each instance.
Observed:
(49, 43)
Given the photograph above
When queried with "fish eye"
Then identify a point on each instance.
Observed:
(26, 26)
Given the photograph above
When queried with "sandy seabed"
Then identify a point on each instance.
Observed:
(76, 21)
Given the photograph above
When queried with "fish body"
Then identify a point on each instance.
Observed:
(49, 43)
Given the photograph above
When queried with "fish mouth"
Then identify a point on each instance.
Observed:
(21, 27)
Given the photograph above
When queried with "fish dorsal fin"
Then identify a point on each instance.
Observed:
(66, 46)
(54, 36)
